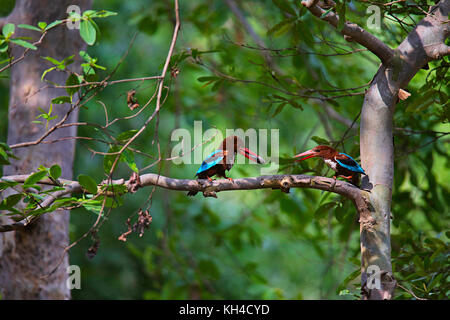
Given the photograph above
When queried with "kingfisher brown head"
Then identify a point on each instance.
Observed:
(324, 152)
(236, 144)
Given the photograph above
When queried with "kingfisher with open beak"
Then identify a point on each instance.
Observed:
(344, 165)
(222, 160)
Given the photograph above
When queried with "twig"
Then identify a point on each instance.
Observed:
(358, 34)
(161, 85)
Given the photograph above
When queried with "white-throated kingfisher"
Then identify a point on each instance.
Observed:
(222, 159)
(344, 165)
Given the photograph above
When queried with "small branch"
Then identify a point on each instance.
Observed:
(358, 34)
(105, 83)
(13, 62)
(241, 17)
(337, 116)
(160, 87)
(410, 292)
(278, 53)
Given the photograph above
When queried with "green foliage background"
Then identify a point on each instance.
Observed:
(261, 244)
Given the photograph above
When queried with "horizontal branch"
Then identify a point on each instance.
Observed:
(283, 182)
(355, 32)
(208, 188)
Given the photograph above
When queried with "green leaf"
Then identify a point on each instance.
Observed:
(97, 29)
(42, 25)
(10, 201)
(85, 56)
(87, 32)
(104, 14)
(284, 6)
(295, 104)
(206, 79)
(421, 102)
(88, 183)
(68, 60)
(109, 159)
(418, 262)
(72, 80)
(5, 184)
(323, 209)
(112, 202)
(34, 178)
(217, 85)
(340, 8)
(124, 136)
(53, 24)
(47, 71)
(129, 159)
(29, 27)
(55, 171)
(24, 44)
(3, 156)
(349, 278)
(61, 100)
(279, 109)
(3, 46)
(4, 61)
(320, 140)
(8, 30)
(282, 27)
(52, 60)
(88, 13)
(117, 189)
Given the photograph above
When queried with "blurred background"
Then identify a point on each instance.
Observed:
(262, 244)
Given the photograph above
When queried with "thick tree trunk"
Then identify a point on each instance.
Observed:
(423, 44)
(29, 254)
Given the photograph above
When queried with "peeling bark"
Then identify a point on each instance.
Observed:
(377, 149)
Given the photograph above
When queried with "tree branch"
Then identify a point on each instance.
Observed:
(208, 188)
(376, 142)
(358, 34)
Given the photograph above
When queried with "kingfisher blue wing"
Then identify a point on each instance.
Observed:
(349, 163)
(214, 158)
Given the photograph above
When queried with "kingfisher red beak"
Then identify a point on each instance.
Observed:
(307, 154)
(251, 155)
